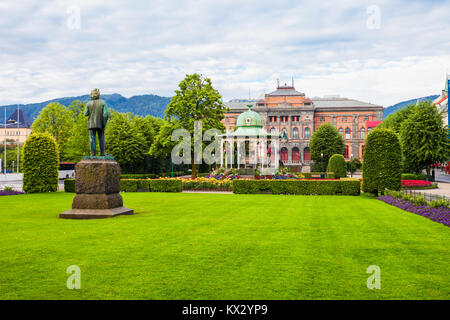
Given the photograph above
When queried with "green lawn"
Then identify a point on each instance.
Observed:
(222, 246)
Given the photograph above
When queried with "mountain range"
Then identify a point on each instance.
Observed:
(142, 105)
(391, 109)
(148, 104)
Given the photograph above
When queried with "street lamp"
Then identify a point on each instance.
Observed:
(351, 165)
(12, 121)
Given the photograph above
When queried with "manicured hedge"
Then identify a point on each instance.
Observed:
(328, 175)
(301, 187)
(412, 176)
(337, 165)
(69, 185)
(152, 185)
(40, 163)
(382, 162)
(139, 176)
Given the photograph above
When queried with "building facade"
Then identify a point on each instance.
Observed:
(17, 128)
(296, 117)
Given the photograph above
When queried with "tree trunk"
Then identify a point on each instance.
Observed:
(428, 170)
(194, 171)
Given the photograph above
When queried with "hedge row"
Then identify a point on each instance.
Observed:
(134, 185)
(303, 187)
(412, 176)
(328, 175)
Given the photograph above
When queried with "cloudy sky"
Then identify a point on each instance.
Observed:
(376, 51)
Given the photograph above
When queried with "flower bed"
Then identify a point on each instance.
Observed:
(418, 184)
(208, 184)
(439, 214)
(9, 193)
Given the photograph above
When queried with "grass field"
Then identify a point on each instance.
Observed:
(222, 246)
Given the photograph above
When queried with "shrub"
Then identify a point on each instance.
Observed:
(165, 185)
(337, 165)
(439, 203)
(331, 175)
(356, 163)
(382, 161)
(325, 142)
(40, 163)
(139, 176)
(412, 176)
(69, 185)
(302, 187)
(419, 201)
(129, 185)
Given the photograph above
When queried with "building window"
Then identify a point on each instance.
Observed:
(295, 154)
(306, 154)
(346, 152)
(366, 118)
(347, 133)
(341, 131)
(273, 130)
(322, 119)
(344, 119)
(307, 133)
(368, 130)
(362, 133)
(284, 134)
(272, 118)
(295, 133)
(284, 154)
(295, 118)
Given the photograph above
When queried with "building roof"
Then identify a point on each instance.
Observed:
(340, 103)
(286, 91)
(249, 118)
(24, 121)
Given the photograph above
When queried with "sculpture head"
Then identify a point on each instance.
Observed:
(95, 94)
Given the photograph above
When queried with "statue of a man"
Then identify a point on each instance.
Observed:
(98, 114)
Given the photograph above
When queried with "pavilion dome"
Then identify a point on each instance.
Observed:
(249, 118)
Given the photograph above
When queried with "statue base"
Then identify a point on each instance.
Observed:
(97, 185)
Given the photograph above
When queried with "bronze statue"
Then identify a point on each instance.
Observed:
(98, 114)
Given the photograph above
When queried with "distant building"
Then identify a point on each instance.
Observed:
(14, 132)
(442, 101)
(296, 117)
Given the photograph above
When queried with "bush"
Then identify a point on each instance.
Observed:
(439, 203)
(412, 176)
(69, 185)
(301, 187)
(152, 185)
(139, 176)
(337, 165)
(40, 163)
(356, 164)
(165, 185)
(331, 175)
(382, 162)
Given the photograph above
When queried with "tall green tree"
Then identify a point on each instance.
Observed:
(77, 144)
(395, 120)
(196, 100)
(325, 140)
(424, 137)
(124, 142)
(55, 119)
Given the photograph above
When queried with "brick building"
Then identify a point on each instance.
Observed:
(296, 117)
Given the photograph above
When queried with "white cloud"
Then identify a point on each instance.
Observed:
(147, 47)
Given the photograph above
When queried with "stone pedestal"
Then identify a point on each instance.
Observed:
(97, 185)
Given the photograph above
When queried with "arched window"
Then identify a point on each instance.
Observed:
(307, 134)
(295, 154)
(341, 131)
(362, 133)
(284, 154)
(273, 130)
(284, 134)
(368, 130)
(295, 133)
(347, 133)
(306, 154)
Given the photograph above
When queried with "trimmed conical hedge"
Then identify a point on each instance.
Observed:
(40, 164)
(337, 165)
(382, 162)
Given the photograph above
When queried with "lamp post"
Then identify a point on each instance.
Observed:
(351, 165)
(4, 164)
(12, 121)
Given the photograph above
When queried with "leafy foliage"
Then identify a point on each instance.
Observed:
(424, 138)
(195, 100)
(325, 140)
(55, 119)
(337, 165)
(40, 163)
(382, 161)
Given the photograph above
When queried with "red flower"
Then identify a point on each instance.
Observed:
(415, 183)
